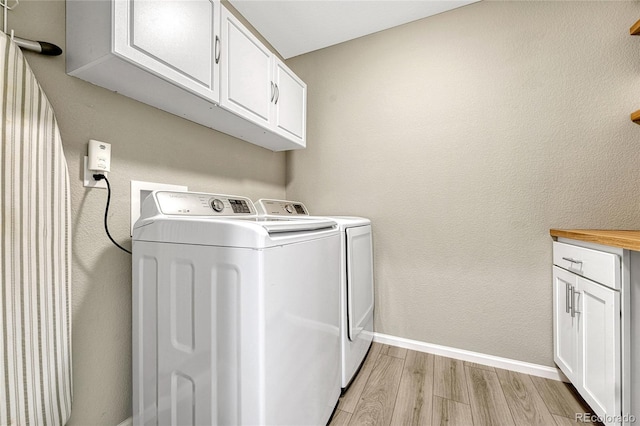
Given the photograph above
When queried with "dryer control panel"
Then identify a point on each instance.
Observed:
(281, 208)
(202, 204)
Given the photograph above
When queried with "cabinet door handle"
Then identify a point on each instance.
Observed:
(574, 311)
(273, 91)
(217, 49)
(567, 297)
(568, 259)
(277, 94)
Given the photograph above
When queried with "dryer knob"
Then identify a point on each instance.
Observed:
(217, 205)
(289, 208)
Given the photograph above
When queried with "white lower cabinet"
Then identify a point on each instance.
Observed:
(599, 345)
(565, 333)
(587, 335)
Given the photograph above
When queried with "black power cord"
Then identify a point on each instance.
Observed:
(106, 210)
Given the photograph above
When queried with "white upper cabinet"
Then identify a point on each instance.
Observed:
(259, 86)
(176, 40)
(290, 103)
(191, 58)
(246, 72)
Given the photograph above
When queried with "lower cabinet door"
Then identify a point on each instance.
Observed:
(599, 346)
(565, 337)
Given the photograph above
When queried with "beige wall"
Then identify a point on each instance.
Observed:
(465, 137)
(148, 145)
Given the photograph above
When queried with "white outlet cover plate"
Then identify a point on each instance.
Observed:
(89, 181)
(140, 190)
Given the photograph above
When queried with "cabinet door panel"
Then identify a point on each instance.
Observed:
(599, 340)
(564, 325)
(174, 39)
(246, 72)
(290, 108)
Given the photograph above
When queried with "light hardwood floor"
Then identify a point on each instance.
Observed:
(397, 386)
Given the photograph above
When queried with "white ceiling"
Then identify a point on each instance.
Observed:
(294, 27)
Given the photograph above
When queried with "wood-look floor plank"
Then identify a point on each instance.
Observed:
(559, 397)
(488, 404)
(376, 403)
(414, 403)
(340, 418)
(394, 351)
(393, 388)
(527, 406)
(563, 421)
(449, 379)
(450, 413)
(350, 399)
(481, 366)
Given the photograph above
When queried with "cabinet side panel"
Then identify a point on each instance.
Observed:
(88, 29)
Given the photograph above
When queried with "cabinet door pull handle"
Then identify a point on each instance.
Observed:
(574, 311)
(273, 91)
(567, 297)
(568, 259)
(277, 94)
(217, 49)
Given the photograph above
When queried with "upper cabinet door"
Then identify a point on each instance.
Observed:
(290, 104)
(245, 87)
(176, 40)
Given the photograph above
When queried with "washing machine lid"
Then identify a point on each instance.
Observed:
(220, 220)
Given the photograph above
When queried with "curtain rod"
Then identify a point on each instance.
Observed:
(42, 47)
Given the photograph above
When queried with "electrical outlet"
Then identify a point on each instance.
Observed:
(89, 181)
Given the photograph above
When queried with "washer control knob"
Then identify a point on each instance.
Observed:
(289, 208)
(217, 205)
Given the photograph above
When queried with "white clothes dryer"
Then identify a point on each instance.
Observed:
(356, 281)
(233, 321)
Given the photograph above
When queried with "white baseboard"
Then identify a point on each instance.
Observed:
(128, 422)
(477, 357)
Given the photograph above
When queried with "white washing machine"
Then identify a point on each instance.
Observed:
(356, 281)
(233, 320)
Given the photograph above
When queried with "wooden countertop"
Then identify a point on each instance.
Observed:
(629, 240)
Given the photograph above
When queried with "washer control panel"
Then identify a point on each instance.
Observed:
(281, 208)
(201, 204)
